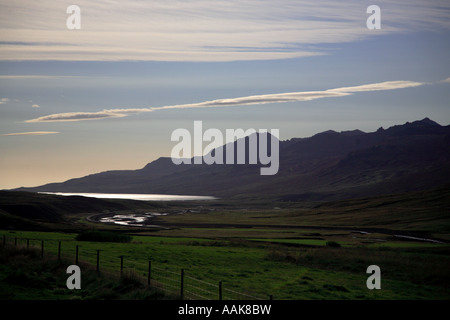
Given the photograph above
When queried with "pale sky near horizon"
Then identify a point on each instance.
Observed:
(108, 96)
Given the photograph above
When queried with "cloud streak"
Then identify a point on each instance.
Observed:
(31, 133)
(32, 76)
(241, 101)
(199, 30)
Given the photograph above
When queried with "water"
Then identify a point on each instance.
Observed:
(416, 238)
(130, 196)
(136, 220)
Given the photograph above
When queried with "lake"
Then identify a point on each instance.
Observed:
(130, 196)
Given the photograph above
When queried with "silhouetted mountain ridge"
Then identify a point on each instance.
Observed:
(326, 166)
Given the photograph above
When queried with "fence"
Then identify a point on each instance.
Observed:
(178, 283)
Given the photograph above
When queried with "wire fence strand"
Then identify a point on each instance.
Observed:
(162, 276)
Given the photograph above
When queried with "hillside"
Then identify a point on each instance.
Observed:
(327, 166)
(29, 210)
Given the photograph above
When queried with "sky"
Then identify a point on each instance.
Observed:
(108, 96)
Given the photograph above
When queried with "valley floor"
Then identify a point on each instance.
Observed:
(254, 249)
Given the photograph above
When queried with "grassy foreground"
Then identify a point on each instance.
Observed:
(24, 275)
(253, 248)
(254, 267)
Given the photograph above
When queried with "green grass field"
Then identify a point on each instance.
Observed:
(260, 269)
(255, 248)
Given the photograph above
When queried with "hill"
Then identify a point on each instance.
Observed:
(327, 166)
(30, 211)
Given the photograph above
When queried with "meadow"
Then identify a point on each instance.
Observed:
(253, 249)
(261, 269)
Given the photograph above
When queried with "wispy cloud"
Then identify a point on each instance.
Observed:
(446, 80)
(241, 101)
(31, 76)
(35, 106)
(381, 86)
(199, 30)
(80, 116)
(4, 100)
(31, 133)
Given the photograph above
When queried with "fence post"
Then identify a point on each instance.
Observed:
(98, 261)
(28, 244)
(270, 297)
(121, 266)
(220, 290)
(182, 285)
(59, 250)
(42, 248)
(76, 255)
(149, 276)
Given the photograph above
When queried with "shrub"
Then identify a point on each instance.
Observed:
(333, 244)
(103, 236)
(333, 287)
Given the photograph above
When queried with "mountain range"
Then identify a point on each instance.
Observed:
(327, 166)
